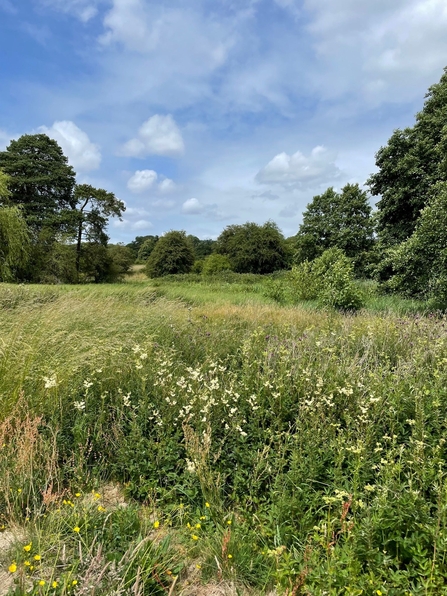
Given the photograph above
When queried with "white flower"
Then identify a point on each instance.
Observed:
(50, 382)
(79, 405)
(126, 400)
(190, 466)
(87, 384)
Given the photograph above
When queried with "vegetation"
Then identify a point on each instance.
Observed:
(173, 253)
(252, 248)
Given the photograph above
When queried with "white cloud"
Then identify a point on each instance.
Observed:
(84, 10)
(82, 154)
(142, 181)
(159, 135)
(167, 186)
(126, 224)
(297, 170)
(192, 207)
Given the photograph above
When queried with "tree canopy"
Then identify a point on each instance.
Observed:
(411, 163)
(41, 181)
(172, 253)
(252, 248)
(337, 220)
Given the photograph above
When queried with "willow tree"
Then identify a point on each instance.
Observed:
(14, 243)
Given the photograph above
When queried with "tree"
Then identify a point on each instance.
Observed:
(172, 254)
(412, 162)
(136, 244)
(41, 181)
(337, 220)
(146, 248)
(94, 207)
(419, 265)
(14, 243)
(202, 248)
(252, 248)
(4, 187)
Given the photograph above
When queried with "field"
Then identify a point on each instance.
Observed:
(199, 438)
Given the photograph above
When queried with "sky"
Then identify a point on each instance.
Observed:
(199, 114)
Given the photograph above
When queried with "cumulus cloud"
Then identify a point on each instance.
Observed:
(142, 181)
(192, 207)
(297, 170)
(375, 47)
(159, 135)
(167, 186)
(126, 224)
(82, 154)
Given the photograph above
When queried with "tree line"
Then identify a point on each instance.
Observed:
(54, 229)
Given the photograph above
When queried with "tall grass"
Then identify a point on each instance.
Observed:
(275, 447)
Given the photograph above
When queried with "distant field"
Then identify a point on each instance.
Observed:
(192, 436)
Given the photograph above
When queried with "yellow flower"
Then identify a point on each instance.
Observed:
(198, 566)
(156, 524)
(27, 564)
(37, 557)
(19, 490)
(101, 509)
(379, 593)
(76, 529)
(202, 517)
(42, 582)
(194, 537)
(198, 526)
(181, 506)
(27, 547)
(97, 495)
(74, 582)
(54, 584)
(12, 568)
(188, 525)
(31, 567)
(230, 556)
(207, 504)
(78, 495)
(229, 522)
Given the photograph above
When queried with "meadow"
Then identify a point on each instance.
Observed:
(202, 437)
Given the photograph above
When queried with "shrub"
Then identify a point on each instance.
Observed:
(215, 263)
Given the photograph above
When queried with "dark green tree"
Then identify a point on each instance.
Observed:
(94, 206)
(146, 248)
(136, 244)
(41, 181)
(252, 248)
(337, 220)
(202, 248)
(215, 263)
(172, 254)
(4, 187)
(413, 160)
(14, 243)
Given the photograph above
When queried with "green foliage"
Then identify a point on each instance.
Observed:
(419, 264)
(136, 244)
(41, 181)
(202, 248)
(409, 165)
(252, 248)
(146, 248)
(14, 243)
(328, 279)
(4, 187)
(172, 254)
(342, 220)
(215, 263)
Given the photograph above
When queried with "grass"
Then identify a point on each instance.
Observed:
(192, 436)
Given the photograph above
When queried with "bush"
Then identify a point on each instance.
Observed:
(171, 254)
(328, 279)
(215, 263)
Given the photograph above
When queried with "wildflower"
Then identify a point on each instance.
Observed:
(156, 524)
(41, 582)
(19, 490)
(50, 382)
(74, 582)
(12, 568)
(194, 537)
(54, 584)
(27, 564)
(31, 567)
(76, 529)
(79, 405)
(168, 572)
(229, 522)
(202, 517)
(198, 566)
(101, 509)
(198, 526)
(37, 557)
(78, 495)
(27, 547)
(379, 593)
(230, 556)
(87, 384)
(96, 495)
(207, 504)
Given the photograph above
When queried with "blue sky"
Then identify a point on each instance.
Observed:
(204, 113)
